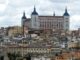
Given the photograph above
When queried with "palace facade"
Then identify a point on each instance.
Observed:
(38, 22)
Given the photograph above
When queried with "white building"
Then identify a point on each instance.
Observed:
(40, 58)
(46, 22)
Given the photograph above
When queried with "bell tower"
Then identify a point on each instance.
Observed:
(66, 20)
(23, 21)
(34, 19)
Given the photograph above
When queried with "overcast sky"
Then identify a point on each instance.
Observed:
(11, 10)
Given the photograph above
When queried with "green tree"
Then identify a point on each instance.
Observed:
(27, 57)
(1, 57)
(13, 56)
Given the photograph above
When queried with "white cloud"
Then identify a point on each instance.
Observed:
(75, 22)
(3, 5)
(2, 1)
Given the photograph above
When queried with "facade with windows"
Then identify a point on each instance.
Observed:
(38, 22)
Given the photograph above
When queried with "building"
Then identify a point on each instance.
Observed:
(2, 31)
(14, 31)
(68, 56)
(37, 22)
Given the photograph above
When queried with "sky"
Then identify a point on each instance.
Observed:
(11, 11)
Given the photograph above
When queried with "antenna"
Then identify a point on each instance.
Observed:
(34, 2)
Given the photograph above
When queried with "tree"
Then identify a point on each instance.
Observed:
(13, 56)
(1, 57)
(9, 56)
(28, 57)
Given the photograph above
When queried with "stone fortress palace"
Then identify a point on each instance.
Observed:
(37, 22)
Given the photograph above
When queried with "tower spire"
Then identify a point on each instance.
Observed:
(34, 11)
(34, 8)
(24, 13)
(66, 12)
(66, 9)
(24, 16)
(54, 14)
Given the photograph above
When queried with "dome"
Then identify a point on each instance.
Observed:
(66, 13)
(24, 17)
(34, 12)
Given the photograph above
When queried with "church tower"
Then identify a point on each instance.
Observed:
(66, 19)
(23, 21)
(34, 20)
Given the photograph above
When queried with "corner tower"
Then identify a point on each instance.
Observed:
(23, 21)
(66, 20)
(34, 19)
